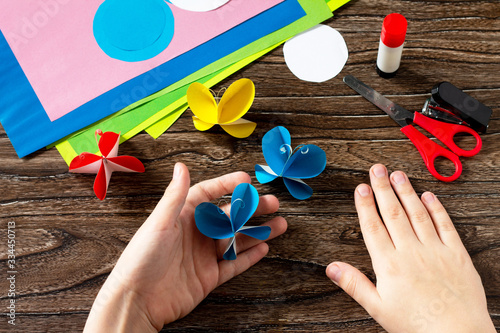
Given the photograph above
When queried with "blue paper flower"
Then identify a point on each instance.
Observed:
(293, 165)
(214, 223)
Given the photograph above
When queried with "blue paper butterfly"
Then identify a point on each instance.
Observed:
(214, 223)
(307, 162)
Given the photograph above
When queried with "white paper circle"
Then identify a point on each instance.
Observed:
(316, 55)
(198, 5)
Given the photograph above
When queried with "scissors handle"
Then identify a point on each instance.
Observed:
(445, 132)
(430, 151)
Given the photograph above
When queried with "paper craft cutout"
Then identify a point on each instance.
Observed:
(316, 55)
(106, 164)
(132, 30)
(213, 222)
(228, 112)
(199, 5)
(305, 161)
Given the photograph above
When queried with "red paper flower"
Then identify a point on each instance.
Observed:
(106, 164)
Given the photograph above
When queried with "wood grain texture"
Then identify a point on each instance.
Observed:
(68, 241)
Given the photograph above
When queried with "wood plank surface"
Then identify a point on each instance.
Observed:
(67, 241)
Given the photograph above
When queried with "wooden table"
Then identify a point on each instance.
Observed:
(67, 241)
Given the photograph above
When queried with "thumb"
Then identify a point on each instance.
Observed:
(170, 206)
(355, 284)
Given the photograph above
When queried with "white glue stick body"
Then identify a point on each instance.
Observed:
(391, 43)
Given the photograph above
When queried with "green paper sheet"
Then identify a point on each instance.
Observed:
(144, 114)
(164, 124)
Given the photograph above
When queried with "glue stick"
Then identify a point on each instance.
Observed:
(391, 43)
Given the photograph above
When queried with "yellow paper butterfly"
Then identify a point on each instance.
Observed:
(233, 105)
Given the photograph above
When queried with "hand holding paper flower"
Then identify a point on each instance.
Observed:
(169, 267)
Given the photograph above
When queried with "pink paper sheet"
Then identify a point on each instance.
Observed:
(55, 46)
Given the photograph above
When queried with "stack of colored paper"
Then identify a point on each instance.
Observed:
(57, 86)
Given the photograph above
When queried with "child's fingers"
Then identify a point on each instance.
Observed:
(169, 207)
(444, 226)
(268, 204)
(392, 212)
(355, 284)
(278, 226)
(415, 210)
(246, 259)
(375, 234)
(212, 189)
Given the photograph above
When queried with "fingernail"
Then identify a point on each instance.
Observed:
(177, 170)
(399, 177)
(379, 171)
(363, 190)
(334, 273)
(428, 197)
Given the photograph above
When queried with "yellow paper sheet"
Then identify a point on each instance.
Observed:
(336, 4)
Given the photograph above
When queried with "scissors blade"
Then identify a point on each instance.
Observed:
(398, 113)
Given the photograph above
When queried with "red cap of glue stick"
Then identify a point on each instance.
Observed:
(394, 30)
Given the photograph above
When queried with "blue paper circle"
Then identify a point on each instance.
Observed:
(133, 30)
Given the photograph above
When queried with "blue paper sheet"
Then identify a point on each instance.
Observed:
(213, 222)
(28, 126)
(293, 165)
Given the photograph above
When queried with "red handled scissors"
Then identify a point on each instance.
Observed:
(429, 149)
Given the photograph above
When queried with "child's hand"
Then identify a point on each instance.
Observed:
(426, 281)
(169, 267)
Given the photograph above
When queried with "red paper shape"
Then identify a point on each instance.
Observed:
(106, 164)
